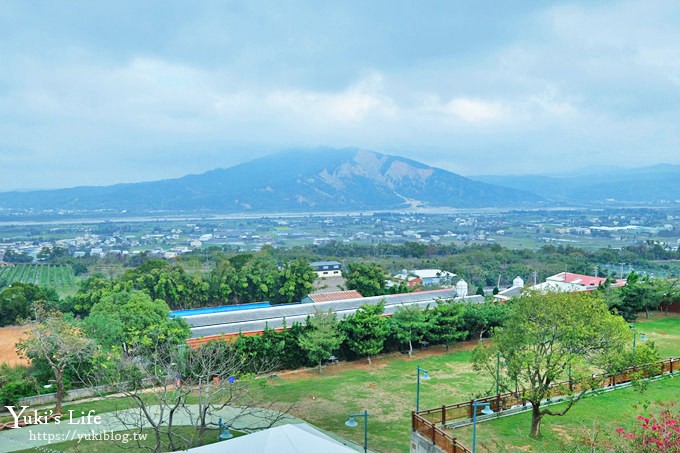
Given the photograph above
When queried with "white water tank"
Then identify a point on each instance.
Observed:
(461, 288)
(518, 282)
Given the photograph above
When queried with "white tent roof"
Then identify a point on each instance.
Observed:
(295, 438)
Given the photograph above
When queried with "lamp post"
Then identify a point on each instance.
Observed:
(643, 337)
(224, 431)
(426, 377)
(486, 411)
(353, 423)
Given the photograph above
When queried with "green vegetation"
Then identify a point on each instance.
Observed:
(57, 277)
(594, 420)
(322, 338)
(21, 301)
(387, 390)
(545, 335)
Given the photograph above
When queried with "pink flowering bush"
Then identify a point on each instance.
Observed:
(654, 433)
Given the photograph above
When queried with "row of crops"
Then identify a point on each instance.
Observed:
(59, 277)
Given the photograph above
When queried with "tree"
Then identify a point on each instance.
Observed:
(446, 322)
(669, 292)
(90, 291)
(60, 342)
(638, 294)
(365, 330)
(367, 278)
(295, 281)
(544, 336)
(20, 300)
(409, 325)
(481, 318)
(166, 380)
(322, 337)
(13, 256)
(135, 319)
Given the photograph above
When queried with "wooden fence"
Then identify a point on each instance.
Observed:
(432, 423)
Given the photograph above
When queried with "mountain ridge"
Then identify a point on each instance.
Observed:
(657, 183)
(323, 179)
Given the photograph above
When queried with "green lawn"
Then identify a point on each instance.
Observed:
(593, 418)
(663, 330)
(387, 390)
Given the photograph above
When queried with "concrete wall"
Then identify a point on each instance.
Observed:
(421, 445)
(72, 395)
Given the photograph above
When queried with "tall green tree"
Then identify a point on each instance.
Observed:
(322, 338)
(20, 301)
(295, 281)
(90, 291)
(366, 330)
(144, 321)
(408, 325)
(446, 322)
(481, 318)
(367, 278)
(637, 295)
(544, 336)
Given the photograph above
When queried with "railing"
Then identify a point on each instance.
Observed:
(432, 423)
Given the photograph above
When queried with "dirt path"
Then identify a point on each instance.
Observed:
(8, 337)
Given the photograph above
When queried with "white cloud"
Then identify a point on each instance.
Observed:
(473, 110)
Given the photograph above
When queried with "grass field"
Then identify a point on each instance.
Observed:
(664, 331)
(593, 419)
(387, 389)
(58, 277)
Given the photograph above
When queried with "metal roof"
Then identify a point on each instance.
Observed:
(273, 317)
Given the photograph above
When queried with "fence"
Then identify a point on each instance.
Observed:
(75, 394)
(432, 423)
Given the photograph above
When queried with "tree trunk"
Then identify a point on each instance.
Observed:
(369, 359)
(536, 417)
(410, 348)
(319, 366)
(59, 381)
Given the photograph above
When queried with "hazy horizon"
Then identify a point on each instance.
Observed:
(106, 93)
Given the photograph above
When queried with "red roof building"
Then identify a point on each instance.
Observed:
(332, 296)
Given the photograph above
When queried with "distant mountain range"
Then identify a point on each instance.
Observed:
(325, 180)
(297, 181)
(599, 186)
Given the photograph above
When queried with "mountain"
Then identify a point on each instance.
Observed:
(640, 185)
(296, 181)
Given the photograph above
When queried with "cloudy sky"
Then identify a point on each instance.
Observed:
(121, 91)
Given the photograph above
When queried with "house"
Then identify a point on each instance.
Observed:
(569, 282)
(327, 268)
(5, 264)
(331, 296)
(426, 277)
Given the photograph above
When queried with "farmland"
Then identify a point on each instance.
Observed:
(58, 277)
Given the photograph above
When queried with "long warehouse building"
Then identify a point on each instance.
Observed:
(228, 323)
